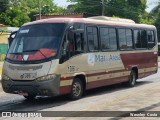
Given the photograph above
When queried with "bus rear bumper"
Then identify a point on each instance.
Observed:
(40, 88)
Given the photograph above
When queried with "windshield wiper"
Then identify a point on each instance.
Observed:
(18, 53)
(35, 51)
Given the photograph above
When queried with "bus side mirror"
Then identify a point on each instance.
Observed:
(11, 38)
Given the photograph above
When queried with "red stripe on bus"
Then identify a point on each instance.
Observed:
(93, 74)
(145, 74)
(106, 82)
(149, 73)
(104, 73)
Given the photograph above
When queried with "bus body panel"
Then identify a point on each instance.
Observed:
(25, 71)
(99, 68)
(25, 78)
(103, 71)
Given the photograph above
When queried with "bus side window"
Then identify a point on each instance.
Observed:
(92, 35)
(140, 39)
(79, 42)
(125, 38)
(137, 39)
(151, 39)
(144, 39)
(108, 39)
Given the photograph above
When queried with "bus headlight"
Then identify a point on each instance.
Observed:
(5, 77)
(47, 77)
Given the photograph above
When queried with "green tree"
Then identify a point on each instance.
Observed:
(132, 9)
(14, 17)
(88, 6)
(155, 14)
(127, 9)
(17, 12)
(3, 5)
(157, 24)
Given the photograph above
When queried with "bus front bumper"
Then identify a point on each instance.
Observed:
(35, 87)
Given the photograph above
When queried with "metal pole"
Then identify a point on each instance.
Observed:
(39, 6)
(103, 7)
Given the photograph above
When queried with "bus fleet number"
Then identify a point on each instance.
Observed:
(71, 69)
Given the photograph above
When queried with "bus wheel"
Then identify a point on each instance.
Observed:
(132, 79)
(76, 89)
(30, 97)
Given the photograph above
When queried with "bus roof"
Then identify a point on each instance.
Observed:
(113, 19)
(93, 20)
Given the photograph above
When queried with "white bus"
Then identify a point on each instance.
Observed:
(59, 56)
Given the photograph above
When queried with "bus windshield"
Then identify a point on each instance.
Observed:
(36, 42)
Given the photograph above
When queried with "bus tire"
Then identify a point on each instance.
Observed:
(76, 89)
(132, 79)
(30, 97)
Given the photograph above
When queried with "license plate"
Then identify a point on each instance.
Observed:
(28, 76)
(22, 93)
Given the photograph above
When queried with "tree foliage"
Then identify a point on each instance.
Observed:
(157, 24)
(132, 9)
(17, 12)
(3, 5)
(88, 6)
(127, 9)
(14, 17)
(155, 15)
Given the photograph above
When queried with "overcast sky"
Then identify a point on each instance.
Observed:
(62, 3)
(150, 3)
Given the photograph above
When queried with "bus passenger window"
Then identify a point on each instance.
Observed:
(79, 42)
(113, 39)
(71, 46)
(129, 38)
(125, 38)
(92, 35)
(140, 38)
(143, 39)
(122, 38)
(151, 39)
(105, 38)
(137, 39)
(108, 39)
